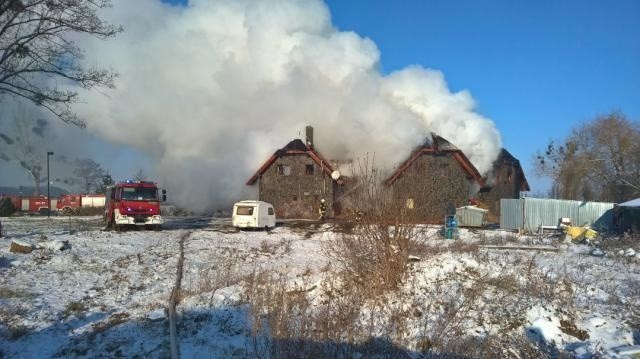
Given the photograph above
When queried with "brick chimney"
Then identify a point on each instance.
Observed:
(309, 131)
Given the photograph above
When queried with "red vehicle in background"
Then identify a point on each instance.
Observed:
(16, 201)
(30, 204)
(36, 204)
(133, 203)
(72, 203)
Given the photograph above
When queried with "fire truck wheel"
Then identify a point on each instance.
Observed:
(107, 223)
(67, 211)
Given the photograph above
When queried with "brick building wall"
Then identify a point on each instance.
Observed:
(430, 184)
(295, 184)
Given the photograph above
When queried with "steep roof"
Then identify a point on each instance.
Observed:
(295, 147)
(438, 145)
(507, 158)
(634, 203)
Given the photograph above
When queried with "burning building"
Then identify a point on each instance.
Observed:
(296, 178)
(437, 175)
(506, 180)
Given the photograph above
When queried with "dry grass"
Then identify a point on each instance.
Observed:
(225, 273)
(112, 321)
(74, 308)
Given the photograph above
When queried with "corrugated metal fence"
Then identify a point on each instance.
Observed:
(529, 214)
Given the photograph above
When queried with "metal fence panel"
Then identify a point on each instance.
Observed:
(530, 213)
(511, 213)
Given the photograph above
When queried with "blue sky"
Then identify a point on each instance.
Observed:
(537, 68)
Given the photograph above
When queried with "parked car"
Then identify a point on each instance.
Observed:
(253, 214)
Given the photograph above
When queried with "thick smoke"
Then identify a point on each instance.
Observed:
(209, 91)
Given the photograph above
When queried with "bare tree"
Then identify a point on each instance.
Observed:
(37, 53)
(90, 172)
(26, 145)
(140, 175)
(105, 182)
(600, 160)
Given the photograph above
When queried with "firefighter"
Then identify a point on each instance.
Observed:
(322, 210)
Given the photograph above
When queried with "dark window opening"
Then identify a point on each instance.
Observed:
(308, 169)
(283, 170)
(295, 198)
(270, 211)
(509, 175)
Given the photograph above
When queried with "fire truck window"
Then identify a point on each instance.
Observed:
(270, 211)
(139, 193)
(244, 210)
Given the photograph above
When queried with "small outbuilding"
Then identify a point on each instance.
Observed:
(627, 216)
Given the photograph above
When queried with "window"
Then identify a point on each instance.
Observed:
(140, 193)
(295, 198)
(410, 203)
(270, 211)
(509, 175)
(244, 210)
(308, 170)
(283, 170)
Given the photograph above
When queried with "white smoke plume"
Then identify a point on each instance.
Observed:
(211, 90)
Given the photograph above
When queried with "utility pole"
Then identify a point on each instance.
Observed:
(48, 185)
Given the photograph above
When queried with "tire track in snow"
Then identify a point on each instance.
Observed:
(175, 352)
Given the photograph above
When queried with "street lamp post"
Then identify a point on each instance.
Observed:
(48, 184)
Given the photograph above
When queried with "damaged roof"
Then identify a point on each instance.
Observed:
(507, 158)
(295, 147)
(438, 145)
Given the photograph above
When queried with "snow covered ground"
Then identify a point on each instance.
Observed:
(106, 295)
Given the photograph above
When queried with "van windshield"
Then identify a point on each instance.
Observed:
(140, 194)
(244, 210)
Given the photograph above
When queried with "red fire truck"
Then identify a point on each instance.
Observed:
(72, 203)
(133, 203)
(36, 204)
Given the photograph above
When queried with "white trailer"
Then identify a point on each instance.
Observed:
(253, 214)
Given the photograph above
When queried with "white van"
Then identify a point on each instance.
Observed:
(253, 214)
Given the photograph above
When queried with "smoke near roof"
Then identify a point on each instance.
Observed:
(212, 89)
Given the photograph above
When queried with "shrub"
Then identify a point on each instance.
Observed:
(375, 251)
(6, 207)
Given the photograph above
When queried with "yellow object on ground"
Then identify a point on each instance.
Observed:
(578, 233)
(590, 234)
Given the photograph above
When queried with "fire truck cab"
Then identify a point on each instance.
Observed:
(133, 203)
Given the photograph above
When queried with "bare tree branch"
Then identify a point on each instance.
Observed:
(35, 48)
